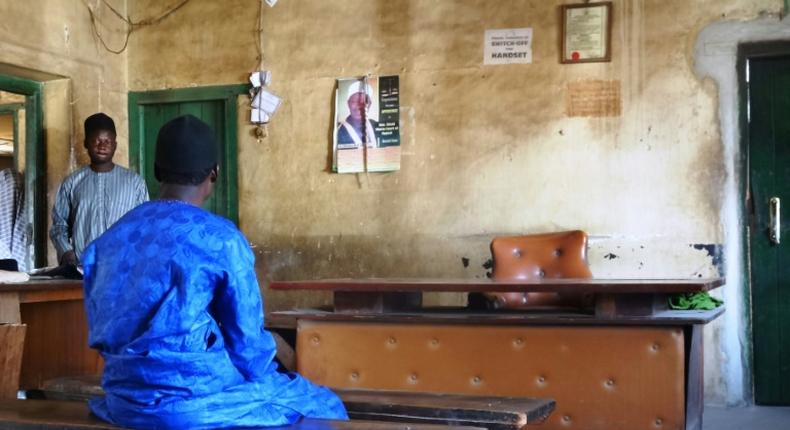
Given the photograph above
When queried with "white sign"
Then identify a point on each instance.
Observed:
(508, 46)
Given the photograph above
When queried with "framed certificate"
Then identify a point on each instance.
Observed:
(586, 32)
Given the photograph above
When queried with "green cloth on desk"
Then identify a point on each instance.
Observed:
(694, 301)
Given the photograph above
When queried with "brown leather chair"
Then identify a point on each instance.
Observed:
(549, 255)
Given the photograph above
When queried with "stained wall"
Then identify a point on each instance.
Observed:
(487, 150)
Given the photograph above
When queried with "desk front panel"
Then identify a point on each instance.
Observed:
(56, 343)
(601, 377)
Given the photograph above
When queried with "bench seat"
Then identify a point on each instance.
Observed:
(66, 415)
(491, 412)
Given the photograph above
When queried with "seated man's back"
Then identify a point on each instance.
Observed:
(174, 307)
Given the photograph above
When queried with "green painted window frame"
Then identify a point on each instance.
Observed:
(35, 160)
(226, 93)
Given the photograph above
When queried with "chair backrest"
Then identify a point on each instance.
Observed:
(548, 255)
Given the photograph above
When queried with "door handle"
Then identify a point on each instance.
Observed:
(774, 220)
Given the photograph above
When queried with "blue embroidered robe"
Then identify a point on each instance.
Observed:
(174, 307)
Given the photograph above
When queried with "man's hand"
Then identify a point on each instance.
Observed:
(68, 257)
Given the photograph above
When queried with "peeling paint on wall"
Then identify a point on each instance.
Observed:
(716, 254)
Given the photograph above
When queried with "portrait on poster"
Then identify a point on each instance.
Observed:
(586, 32)
(366, 134)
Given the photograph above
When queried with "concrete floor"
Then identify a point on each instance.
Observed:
(751, 418)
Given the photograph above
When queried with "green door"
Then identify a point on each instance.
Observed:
(214, 105)
(769, 182)
(154, 116)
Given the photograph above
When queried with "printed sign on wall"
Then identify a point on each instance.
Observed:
(508, 46)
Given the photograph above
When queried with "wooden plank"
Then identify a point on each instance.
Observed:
(602, 286)
(311, 424)
(51, 295)
(381, 405)
(12, 339)
(9, 308)
(451, 409)
(39, 415)
(288, 319)
(40, 285)
(285, 353)
(59, 415)
(73, 388)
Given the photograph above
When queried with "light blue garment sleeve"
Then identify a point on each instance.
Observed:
(238, 309)
(141, 191)
(61, 212)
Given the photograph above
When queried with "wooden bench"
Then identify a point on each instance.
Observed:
(65, 415)
(498, 413)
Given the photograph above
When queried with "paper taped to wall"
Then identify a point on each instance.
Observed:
(264, 104)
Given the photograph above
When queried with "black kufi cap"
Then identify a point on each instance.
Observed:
(98, 121)
(186, 145)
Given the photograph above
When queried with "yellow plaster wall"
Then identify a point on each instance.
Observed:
(52, 41)
(487, 150)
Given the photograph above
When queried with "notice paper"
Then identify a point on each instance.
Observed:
(261, 78)
(508, 46)
(264, 104)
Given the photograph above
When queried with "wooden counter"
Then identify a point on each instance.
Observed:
(56, 343)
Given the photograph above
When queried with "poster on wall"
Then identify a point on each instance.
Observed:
(366, 134)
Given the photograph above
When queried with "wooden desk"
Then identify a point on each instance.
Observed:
(56, 343)
(612, 297)
(392, 308)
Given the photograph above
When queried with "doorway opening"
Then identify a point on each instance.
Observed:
(22, 154)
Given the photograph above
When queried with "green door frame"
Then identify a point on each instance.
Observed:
(746, 52)
(228, 94)
(35, 160)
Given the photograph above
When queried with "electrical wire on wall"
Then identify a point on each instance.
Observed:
(259, 36)
(131, 26)
(261, 129)
(264, 102)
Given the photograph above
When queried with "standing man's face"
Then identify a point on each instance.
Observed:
(357, 105)
(101, 146)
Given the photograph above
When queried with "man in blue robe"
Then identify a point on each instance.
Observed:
(174, 308)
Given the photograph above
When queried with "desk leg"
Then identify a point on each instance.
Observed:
(9, 308)
(695, 397)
